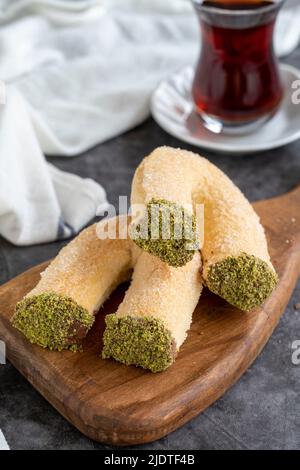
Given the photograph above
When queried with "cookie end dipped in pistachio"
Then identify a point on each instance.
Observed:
(139, 341)
(167, 231)
(245, 281)
(52, 321)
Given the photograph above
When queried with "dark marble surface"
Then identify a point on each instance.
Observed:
(262, 411)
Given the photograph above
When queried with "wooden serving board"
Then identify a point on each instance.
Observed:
(121, 405)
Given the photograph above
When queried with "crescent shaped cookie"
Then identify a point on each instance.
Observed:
(236, 262)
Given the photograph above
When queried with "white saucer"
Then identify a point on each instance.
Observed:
(172, 109)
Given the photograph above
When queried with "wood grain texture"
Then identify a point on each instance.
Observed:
(121, 405)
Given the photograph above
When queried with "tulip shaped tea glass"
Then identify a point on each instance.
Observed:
(237, 82)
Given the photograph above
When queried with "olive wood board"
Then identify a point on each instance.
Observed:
(116, 404)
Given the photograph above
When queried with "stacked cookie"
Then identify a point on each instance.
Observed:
(173, 248)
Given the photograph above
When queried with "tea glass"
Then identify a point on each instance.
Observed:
(237, 83)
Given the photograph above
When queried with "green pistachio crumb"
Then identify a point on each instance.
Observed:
(167, 231)
(244, 281)
(52, 321)
(140, 341)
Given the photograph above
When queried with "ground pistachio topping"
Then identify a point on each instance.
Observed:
(244, 281)
(167, 231)
(52, 321)
(140, 341)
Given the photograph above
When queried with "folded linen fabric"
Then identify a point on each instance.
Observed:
(38, 202)
(3, 443)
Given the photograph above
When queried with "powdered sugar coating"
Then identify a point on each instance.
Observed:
(88, 269)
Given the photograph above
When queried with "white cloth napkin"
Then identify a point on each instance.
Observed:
(3, 443)
(38, 202)
(77, 74)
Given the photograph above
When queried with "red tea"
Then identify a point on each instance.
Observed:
(237, 78)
